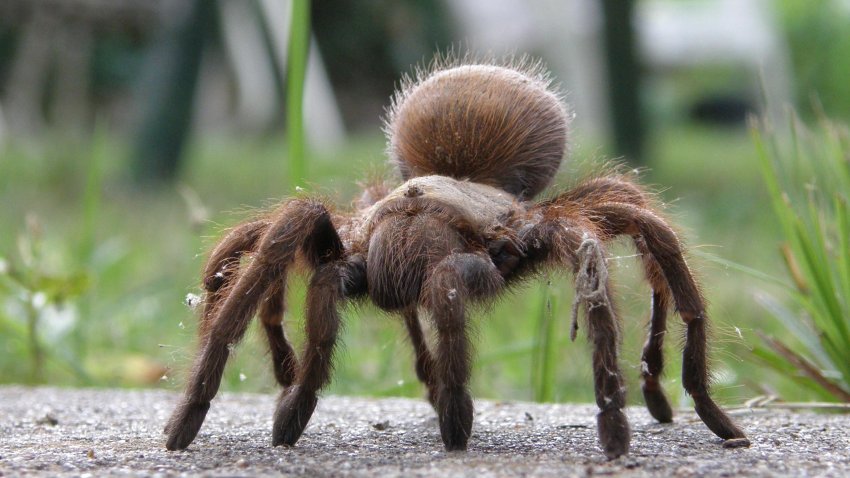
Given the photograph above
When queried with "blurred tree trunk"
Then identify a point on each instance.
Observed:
(72, 109)
(623, 78)
(168, 91)
(28, 76)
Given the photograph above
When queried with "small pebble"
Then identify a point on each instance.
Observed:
(47, 419)
(381, 426)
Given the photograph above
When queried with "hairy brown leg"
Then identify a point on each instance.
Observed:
(652, 362)
(604, 334)
(219, 274)
(663, 245)
(451, 283)
(222, 267)
(331, 283)
(283, 357)
(208, 368)
(568, 239)
(652, 357)
(618, 189)
(300, 224)
(424, 360)
(609, 387)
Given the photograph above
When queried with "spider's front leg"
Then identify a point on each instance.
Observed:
(450, 285)
(575, 245)
(298, 225)
(331, 283)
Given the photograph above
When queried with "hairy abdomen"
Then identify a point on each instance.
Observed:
(504, 126)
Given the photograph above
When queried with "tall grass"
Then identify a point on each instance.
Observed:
(296, 72)
(807, 174)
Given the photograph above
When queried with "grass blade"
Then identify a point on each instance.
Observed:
(809, 369)
(296, 73)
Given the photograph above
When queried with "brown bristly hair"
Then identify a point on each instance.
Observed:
(496, 122)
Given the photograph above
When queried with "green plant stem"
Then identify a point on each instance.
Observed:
(90, 215)
(544, 357)
(299, 45)
(36, 352)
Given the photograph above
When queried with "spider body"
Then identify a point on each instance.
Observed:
(418, 224)
(474, 144)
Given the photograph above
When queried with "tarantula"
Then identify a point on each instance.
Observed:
(474, 144)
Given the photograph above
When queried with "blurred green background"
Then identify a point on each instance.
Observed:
(107, 207)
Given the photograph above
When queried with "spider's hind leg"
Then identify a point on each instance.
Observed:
(567, 239)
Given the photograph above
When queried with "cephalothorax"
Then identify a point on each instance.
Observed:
(474, 144)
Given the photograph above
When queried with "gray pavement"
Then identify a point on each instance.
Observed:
(58, 432)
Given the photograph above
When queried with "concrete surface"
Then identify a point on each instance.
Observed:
(56, 432)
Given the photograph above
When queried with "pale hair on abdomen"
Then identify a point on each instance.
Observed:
(503, 125)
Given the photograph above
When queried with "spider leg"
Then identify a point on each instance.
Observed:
(424, 359)
(652, 356)
(618, 189)
(332, 282)
(571, 241)
(222, 267)
(220, 272)
(663, 245)
(454, 280)
(603, 331)
(301, 225)
(271, 316)
(652, 362)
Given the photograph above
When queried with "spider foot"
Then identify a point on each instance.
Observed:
(293, 413)
(454, 409)
(717, 421)
(657, 404)
(737, 443)
(184, 424)
(614, 432)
